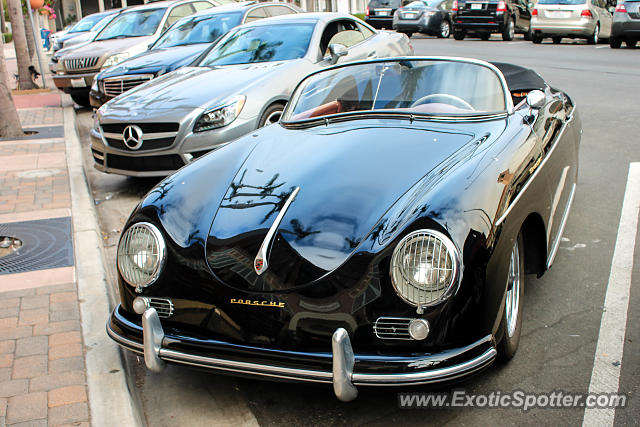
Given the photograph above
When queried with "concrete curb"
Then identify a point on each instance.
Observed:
(110, 399)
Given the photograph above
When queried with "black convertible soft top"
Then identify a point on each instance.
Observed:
(520, 78)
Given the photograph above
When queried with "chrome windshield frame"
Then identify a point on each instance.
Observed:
(503, 82)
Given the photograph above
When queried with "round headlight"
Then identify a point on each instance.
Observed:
(141, 255)
(424, 267)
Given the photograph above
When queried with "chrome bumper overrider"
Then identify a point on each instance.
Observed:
(342, 376)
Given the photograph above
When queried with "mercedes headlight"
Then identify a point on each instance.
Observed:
(141, 255)
(220, 116)
(425, 267)
(115, 59)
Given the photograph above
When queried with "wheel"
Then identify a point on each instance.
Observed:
(509, 31)
(458, 35)
(529, 34)
(445, 29)
(631, 43)
(536, 38)
(271, 115)
(615, 42)
(593, 39)
(82, 99)
(485, 36)
(556, 39)
(512, 316)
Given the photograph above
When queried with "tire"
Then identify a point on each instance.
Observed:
(485, 36)
(615, 42)
(458, 35)
(512, 313)
(556, 39)
(82, 99)
(445, 29)
(509, 31)
(536, 38)
(408, 34)
(631, 43)
(271, 115)
(528, 36)
(595, 37)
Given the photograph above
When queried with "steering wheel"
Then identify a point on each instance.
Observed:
(455, 99)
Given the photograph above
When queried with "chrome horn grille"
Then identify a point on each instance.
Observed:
(75, 64)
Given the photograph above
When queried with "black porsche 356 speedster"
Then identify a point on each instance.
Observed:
(378, 235)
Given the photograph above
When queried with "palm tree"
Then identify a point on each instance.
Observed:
(20, 44)
(10, 124)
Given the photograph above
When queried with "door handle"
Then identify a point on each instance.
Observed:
(372, 55)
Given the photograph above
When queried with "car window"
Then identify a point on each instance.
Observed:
(201, 5)
(422, 87)
(261, 43)
(255, 14)
(133, 24)
(279, 10)
(332, 34)
(566, 2)
(199, 29)
(85, 24)
(177, 13)
(366, 31)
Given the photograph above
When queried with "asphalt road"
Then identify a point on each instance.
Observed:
(563, 309)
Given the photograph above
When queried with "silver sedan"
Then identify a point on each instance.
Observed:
(242, 83)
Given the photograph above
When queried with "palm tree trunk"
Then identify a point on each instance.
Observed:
(20, 45)
(10, 124)
(3, 26)
(31, 44)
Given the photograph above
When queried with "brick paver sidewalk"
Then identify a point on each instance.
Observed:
(42, 364)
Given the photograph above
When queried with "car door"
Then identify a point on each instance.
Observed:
(604, 17)
(347, 33)
(523, 14)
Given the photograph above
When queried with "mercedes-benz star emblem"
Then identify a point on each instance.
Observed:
(132, 137)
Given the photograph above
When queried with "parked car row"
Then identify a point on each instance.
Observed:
(592, 20)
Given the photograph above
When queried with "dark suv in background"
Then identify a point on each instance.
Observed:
(379, 13)
(493, 16)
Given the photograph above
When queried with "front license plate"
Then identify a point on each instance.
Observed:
(476, 6)
(383, 12)
(78, 83)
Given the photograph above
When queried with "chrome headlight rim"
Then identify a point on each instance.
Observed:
(162, 254)
(237, 102)
(456, 262)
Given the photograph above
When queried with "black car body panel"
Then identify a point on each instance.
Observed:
(379, 13)
(626, 25)
(361, 190)
(426, 19)
(484, 16)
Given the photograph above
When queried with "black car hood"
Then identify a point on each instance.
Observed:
(157, 60)
(348, 178)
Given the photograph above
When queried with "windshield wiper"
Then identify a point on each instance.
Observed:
(121, 36)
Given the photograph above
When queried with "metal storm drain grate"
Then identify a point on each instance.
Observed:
(35, 245)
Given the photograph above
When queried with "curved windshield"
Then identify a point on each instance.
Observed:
(426, 3)
(86, 24)
(263, 43)
(566, 2)
(199, 29)
(133, 24)
(432, 87)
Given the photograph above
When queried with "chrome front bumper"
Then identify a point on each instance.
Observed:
(342, 375)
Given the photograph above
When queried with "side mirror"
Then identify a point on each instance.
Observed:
(611, 9)
(530, 5)
(337, 51)
(535, 99)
